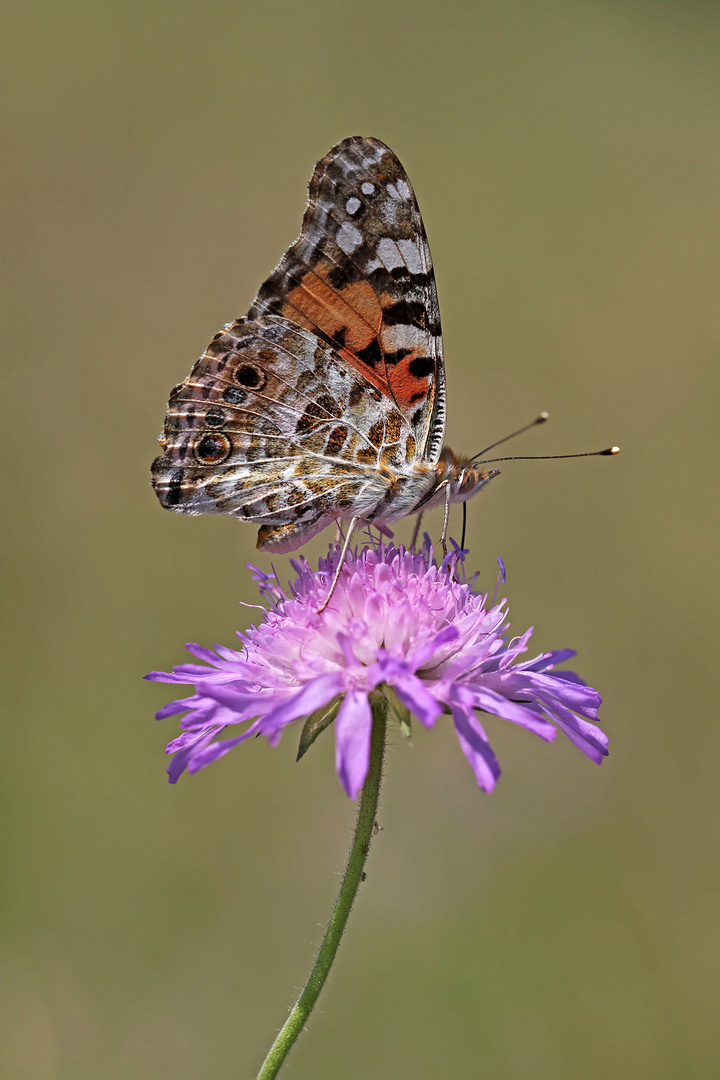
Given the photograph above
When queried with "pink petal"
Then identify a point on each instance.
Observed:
(353, 724)
(475, 747)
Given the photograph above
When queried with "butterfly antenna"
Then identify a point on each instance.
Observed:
(416, 531)
(552, 457)
(533, 423)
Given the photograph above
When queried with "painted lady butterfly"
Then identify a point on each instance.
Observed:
(326, 402)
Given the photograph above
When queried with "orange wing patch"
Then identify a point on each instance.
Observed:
(356, 310)
(351, 317)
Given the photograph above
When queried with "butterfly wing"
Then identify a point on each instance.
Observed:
(272, 425)
(360, 277)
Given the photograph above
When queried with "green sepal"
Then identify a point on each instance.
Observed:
(401, 712)
(316, 723)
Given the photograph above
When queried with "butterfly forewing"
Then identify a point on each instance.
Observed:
(360, 275)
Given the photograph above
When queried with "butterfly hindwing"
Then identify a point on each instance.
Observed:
(360, 276)
(272, 425)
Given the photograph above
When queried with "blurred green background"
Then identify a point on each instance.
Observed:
(566, 157)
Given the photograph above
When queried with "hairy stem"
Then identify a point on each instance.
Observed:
(348, 890)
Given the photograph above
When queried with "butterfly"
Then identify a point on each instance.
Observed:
(326, 402)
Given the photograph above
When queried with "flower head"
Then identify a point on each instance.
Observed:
(398, 623)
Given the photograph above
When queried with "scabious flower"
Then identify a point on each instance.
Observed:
(397, 623)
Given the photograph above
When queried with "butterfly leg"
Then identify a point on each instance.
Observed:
(446, 522)
(338, 571)
(416, 530)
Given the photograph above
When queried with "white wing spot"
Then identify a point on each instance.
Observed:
(348, 237)
(412, 256)
(367, 188)
(403, 336)
(403, 189)
(352, 205)
(388, 251)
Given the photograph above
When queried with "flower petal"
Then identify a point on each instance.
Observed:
(581, 698)
(183, 673)
(318, 692)
(353, 725)
(178, 706)
(550, 660)
(201, 653)
(491, 702)
(422, 657)
(476, 747)
(218, 749)
(243, 704)
(181, 760)
(415, 695)
(189, 738)
(586, 736)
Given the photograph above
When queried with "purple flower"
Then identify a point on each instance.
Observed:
(397, 624)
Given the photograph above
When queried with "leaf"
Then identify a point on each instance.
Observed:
(316, 723)
(401, 712)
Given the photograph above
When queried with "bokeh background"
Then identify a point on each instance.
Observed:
(566, 158)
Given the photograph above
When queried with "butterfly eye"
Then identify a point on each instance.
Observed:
(465, 481)
(213, 449)
(250, 376)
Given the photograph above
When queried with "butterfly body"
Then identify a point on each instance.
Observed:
(327, 401)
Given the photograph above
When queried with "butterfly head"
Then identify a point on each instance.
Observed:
(462, 475)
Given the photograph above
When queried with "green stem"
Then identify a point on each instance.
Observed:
(348, 890)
